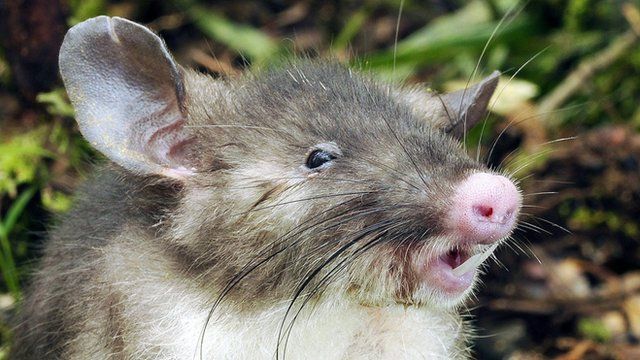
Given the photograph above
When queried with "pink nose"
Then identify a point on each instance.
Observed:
(484, 208)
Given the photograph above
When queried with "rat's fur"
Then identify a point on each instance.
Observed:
(136, 267)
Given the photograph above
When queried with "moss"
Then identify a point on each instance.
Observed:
(584, 218)
(21, 160)
(593, 329)
(56, 102)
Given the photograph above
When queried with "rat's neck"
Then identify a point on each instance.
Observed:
(339, 330)
(342, 331)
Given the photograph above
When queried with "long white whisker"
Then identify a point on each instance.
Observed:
(235, 126)
(535, 227)
(496, 99)
(395, 41)
(532, 160)
(475, 70)
(540, 193)
(553, 224)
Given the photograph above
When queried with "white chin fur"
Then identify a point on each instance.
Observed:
(434, 297)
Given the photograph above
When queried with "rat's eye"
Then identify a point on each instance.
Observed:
(322, 155)
(318, 158)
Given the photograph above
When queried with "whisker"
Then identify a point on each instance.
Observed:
(496, 99)
(365, 232)
(325, 280)
(529, 251)
(560, 182)
(568, 138)
(395, 40)
(262, 182)
(517, 120)
(325, 196)
(523, 178)
(334, 271)
(517, 246)
(509, 245)
(355, 254)
(523, 225)
(351, 217)
(535, 155)
(250, 267)
(415, 165)
(404, 149)
(538, 152)
(474, 72)
(530, 206)
(553, 224)
(399, 174)
(535, 227)
(249, 127)
(531, 161)
(540, 193)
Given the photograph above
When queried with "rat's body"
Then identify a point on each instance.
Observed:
(100, 296)
(319, 214)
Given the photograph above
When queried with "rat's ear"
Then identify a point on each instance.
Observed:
(465, 108)
(128, 94)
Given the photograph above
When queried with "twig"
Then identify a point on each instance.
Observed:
(589, 305)
(585, 71)
(632, 14)
(578, 351)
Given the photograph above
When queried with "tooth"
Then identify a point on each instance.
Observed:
(474, 261)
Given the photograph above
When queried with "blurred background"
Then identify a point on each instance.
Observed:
(565, 122)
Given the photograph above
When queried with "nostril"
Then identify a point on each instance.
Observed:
(484, 208)
(509, 214)
(483, 211)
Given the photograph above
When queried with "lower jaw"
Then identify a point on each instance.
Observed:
(450, 284)
(438, 275)
(437, 290)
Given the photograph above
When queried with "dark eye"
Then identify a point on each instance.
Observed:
(318, 158)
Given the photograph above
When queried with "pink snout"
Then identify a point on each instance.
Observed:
(484, 209)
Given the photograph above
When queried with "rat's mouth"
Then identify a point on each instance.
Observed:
(455, 257)
(453, 271)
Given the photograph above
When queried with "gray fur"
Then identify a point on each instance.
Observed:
(249, 196)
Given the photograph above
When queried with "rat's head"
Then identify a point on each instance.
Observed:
(301, 179)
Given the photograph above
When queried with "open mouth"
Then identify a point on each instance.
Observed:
(455, 257)
(454, 271)
(473, 262)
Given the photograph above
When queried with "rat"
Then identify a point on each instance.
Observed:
(302, 212)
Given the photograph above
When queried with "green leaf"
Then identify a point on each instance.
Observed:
(247, 41)
(55, 201)
(20, 159)
(84, 9)
(466, 30)
(7, 263)
(57, 102)
(351, 29)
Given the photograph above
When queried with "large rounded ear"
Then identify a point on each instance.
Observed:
(465, 108)
(128, 94)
